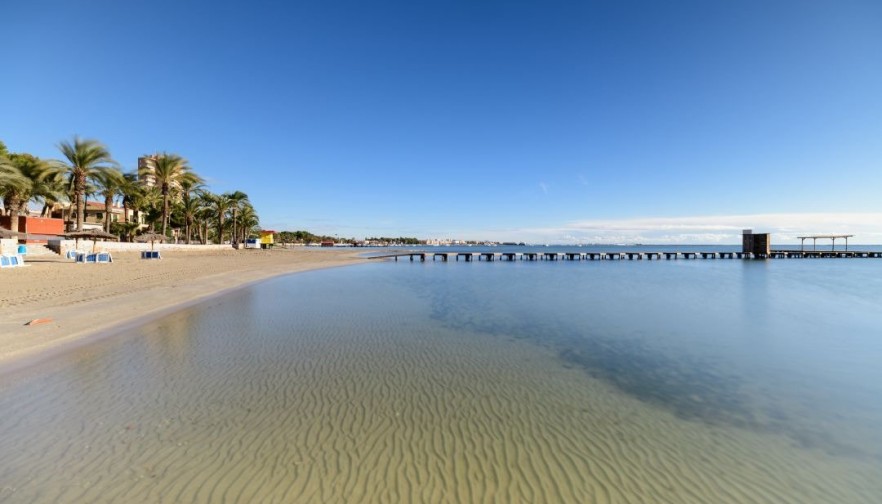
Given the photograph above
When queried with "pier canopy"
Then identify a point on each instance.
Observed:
(815, 238)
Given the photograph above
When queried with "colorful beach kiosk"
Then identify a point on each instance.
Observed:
(264, 242)
(266, 238)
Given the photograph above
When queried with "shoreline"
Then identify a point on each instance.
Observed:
(87, 302)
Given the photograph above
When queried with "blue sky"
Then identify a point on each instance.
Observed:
(549, 122)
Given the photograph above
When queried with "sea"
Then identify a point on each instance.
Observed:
(671, 381)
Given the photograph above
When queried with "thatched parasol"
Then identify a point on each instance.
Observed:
(90, 234)
(150, 237)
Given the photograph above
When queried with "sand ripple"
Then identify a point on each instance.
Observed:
(215, 406)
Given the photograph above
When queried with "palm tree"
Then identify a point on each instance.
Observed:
(51, 187)
(127, 229)
(248, 220)
(151, 206)
(12, 184)
(219, 204)
(110, 183)
(132, 195)
(189, 210)
(191, 187)
(26, 178)
(84, 159)
(203, 217)
(236, 200)
(169, 171)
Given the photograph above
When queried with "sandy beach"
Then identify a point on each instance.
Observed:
(75, 301)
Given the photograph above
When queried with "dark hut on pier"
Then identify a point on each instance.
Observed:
(758, 244)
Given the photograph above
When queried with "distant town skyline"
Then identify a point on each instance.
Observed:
(551, 122)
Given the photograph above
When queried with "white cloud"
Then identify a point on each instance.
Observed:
(718, 229)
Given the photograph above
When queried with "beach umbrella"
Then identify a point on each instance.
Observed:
(91, 234)
(150, 237)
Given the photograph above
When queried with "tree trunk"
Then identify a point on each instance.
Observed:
(235, 236)
(80, 189)
(164, 207)
(13, 208)
(108, 207)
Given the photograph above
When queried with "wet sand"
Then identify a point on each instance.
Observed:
(75, 301)
(317, 409)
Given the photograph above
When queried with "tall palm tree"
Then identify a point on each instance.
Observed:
(219, 204)
(132, 192)
(168, 170)
(235, 199)
(109, 183)
(84, 158)
(189, 209)
(191, 187)
(151, 206)
(204, 216)
(248, 220)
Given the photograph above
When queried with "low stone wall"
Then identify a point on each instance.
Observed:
(8, 246)
(63, 246)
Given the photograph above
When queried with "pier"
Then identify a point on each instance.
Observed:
(754, 246)
(422, 256)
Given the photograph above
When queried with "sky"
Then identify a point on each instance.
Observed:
(544, 122)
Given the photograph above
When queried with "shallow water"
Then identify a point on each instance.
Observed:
(671, 381)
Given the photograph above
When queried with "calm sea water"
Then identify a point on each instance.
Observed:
(613, 381)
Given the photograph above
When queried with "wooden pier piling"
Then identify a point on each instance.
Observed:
(631, 255)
